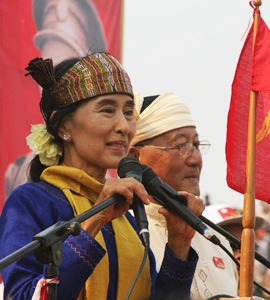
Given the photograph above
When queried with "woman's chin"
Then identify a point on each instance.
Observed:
(114, 162)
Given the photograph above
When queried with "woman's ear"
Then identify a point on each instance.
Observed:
(63, 131)
(133, 151)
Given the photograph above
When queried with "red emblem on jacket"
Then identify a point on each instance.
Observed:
(218, 262)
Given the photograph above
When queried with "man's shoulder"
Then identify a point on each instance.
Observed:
(199, 242)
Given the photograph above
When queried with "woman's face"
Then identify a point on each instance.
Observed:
(100, 133)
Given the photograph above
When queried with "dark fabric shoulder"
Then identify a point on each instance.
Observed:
(41, 188)
(40, 196)
(54, 191)
(44, 203)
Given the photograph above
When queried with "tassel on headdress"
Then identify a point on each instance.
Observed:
(42, 71)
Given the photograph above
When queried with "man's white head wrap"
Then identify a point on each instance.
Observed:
(165, 113)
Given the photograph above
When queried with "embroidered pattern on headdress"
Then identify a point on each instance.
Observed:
(95, 75)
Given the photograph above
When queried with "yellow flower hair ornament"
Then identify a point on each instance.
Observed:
(41, 142)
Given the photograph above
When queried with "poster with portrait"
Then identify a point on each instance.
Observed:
(55, 29)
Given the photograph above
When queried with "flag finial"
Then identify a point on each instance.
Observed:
(255, 3)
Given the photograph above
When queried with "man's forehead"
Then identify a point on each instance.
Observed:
(178, 133)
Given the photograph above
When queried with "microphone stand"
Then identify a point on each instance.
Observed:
(234, 240)
(47, 245)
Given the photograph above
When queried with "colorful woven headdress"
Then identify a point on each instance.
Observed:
(94, 75)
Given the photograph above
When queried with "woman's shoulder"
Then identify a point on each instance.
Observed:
(38, 192)
(39, 200)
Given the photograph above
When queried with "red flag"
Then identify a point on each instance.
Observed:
(56, 29)
(252, 73)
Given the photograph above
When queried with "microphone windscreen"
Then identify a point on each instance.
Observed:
(129, 165)
(148, 176)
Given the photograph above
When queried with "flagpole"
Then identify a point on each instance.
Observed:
(248, 220)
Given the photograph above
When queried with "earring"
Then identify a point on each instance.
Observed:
(66, 137)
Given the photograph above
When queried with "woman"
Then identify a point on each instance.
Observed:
(87, 105)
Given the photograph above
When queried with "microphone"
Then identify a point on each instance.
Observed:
(174, 202)
(130, 167)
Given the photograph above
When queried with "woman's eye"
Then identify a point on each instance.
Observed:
(129, 112)
(108, 110)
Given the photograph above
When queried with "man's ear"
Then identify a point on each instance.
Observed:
(133, 151)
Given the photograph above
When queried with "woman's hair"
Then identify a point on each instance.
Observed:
(47, 105)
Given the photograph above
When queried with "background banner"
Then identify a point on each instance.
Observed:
(54, 29)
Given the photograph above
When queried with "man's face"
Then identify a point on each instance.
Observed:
(181, 172)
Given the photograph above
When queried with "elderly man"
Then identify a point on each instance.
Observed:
(167, 141)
